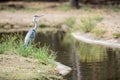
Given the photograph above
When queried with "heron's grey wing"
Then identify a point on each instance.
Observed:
(28, 37)
(32, 36)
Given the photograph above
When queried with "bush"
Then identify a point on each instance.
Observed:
(70, 21)
(99, 32)
(88, 23)
(116, 35)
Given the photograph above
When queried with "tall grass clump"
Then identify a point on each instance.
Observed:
(70, 21)
(15, 45)
(42, 55)
(112, 8)
(89, 22)
(86, 8)
(65, 7)
(6, 44)
(98, 32)
(30, 9)
(116, 35)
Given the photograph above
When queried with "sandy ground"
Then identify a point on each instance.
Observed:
(53, 15)
(15, 67)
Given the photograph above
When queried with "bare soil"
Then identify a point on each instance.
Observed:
(15, 67)
(21, 18)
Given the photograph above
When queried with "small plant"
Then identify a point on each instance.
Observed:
(65, 7)
(28, 9)
(88, 23)
(113, 8)
(116, 35)
(70, 21)
(98, 18)
(99, 32)
(42, 55)
(86, 8)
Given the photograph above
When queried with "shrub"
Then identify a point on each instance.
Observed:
(65, 7)
(88, 23)
(99, 32)
(70, 21)
(116, 35)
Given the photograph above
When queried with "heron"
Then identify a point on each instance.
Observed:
(30, 36)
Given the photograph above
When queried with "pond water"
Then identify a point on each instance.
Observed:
(88, 62)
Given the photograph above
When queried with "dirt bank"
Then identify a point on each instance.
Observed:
(15, 67)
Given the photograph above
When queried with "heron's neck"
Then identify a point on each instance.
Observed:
(35, 25)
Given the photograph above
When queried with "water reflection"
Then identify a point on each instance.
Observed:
(90, 62)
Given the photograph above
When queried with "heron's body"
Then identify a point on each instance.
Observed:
(30, 36)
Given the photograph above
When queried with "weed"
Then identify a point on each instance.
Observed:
(99, 32)
(116, 35)
(86, 8)
(42, 54)
(65, 7)
(113, 8)
(70, 21)
(28, 9)
(98, 18)
(88, 23)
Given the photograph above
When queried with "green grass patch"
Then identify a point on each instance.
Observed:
(116, 35)
(28, 9)
(70, 21)
(65, 7)
(15, 45)
(113, 8)
(99, 32)
(97, 18)
(86, 8)
(88, 23)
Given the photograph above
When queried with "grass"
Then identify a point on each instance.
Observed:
(86, 8)
(70, 21)
(89, 22)
(65, 7)
(10, 10)
(25, 9)
(113, 8)
(11, 44)
(99, 32)
(116, 35)
(28, 9)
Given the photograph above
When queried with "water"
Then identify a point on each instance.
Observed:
(89, 62)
